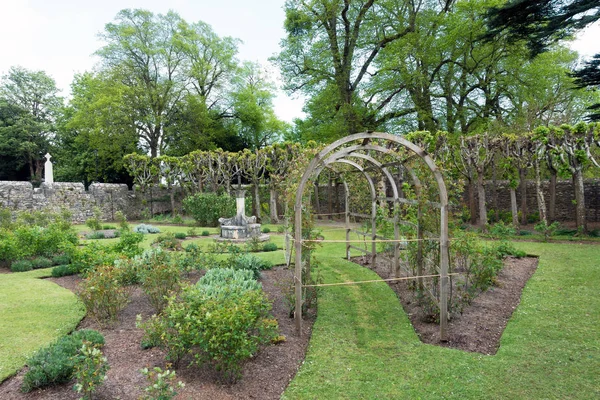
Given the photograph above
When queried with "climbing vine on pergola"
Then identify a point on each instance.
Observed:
(392, 167)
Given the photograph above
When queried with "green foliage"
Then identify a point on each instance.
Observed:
(121, 218)
(89, 370)
(64, 270)
(253, 244)
(32, 240)
(247, 262)
(55, 364)
(269, 247)
(180, 235)
(21, 266)
(221, 283)
(95, 235)
(547, 230)
(207, 208)
(108, 227)
(281, 229)
(145, 228)
(87, 258)
(41, 262)
(266, 229)
(167, 241)
(129, 243)
(102, 294)
(205, 233)
(159, 282)
(61, 259)
(94, 222)
(221, 331)
(160, 384)
(500, 230)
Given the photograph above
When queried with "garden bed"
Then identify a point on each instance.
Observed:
(263, 377)
(480, 325)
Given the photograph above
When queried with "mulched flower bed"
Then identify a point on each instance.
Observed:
(263, 377)
(480, 325)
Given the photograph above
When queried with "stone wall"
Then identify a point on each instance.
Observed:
(109, 197)
(565, 197)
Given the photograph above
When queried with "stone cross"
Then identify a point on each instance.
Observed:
(48, 173)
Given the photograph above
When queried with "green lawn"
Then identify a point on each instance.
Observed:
(364, 347)
(33, 313)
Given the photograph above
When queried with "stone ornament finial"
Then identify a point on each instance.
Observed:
(48, 173)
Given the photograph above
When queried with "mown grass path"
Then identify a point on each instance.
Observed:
(364, 347)
(33, 313)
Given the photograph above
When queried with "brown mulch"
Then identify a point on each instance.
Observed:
(480, 325)
(265, 376)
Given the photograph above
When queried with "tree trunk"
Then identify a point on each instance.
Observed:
(552, 199)
(172, 196)
(472, 206)
(580, 200)
(256, 202)
(330, 197)
(513, 207)
(273, 206)
(481, 195)
(540, 195)
(495, 192)
(523, 185)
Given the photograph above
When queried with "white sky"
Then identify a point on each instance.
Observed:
(60, 36)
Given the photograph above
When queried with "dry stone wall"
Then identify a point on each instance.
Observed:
(108, 197)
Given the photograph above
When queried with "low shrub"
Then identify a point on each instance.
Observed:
(207, 208)
(87, 258)
(281, 229)
(93, 223)
(547, 230)
(159, 282)
(95, 235)
(21, 266)
(249, 262)
(61, 259)
(167, 241)
(192, 232)
(127, 270)
(41, 262)
(160, 384)
(227, 282)
(89, 370)
(122, 220)
(178, 219)
(501, 230)
(269, 247)
(63, 270)
(55, 364)
(102, 295)
(107, 227)
(180, 235)
(205, 233)
(146, 228)
(129, 243)
(266, 229)
(222, 333)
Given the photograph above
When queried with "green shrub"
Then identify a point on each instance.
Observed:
(167, 241)
(89, 370)
(222, 332)
(41, 262)
(219, 283)
(500, 230)
(21, 266)
(108, 227)
(547, 230)
(192, 232)
(127, 270)
(61, 259)
(87, 258)
(180, 235)
(54, 364)
(145, 228)
(249, 262)
(160, 384)
(63, 270)
(192, 247)
(129, 243)
(177, 219)
(205, 233)
(93, 223)
(95, 235)
(102, 295)
(269, 247)
(159, 282)
(281, 229)
(122, 220)
(207, 208)
(266, 230)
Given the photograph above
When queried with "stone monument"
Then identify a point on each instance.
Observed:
(48, 173)
(240, 227)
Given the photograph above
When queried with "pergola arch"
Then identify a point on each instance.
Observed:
(339, 152)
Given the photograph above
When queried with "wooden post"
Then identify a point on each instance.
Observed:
(347, 212)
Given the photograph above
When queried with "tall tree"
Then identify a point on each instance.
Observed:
(542, 23)
(32, 99)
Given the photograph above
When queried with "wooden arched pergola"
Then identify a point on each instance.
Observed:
(366, 147)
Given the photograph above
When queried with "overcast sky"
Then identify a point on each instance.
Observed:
(60, 36)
